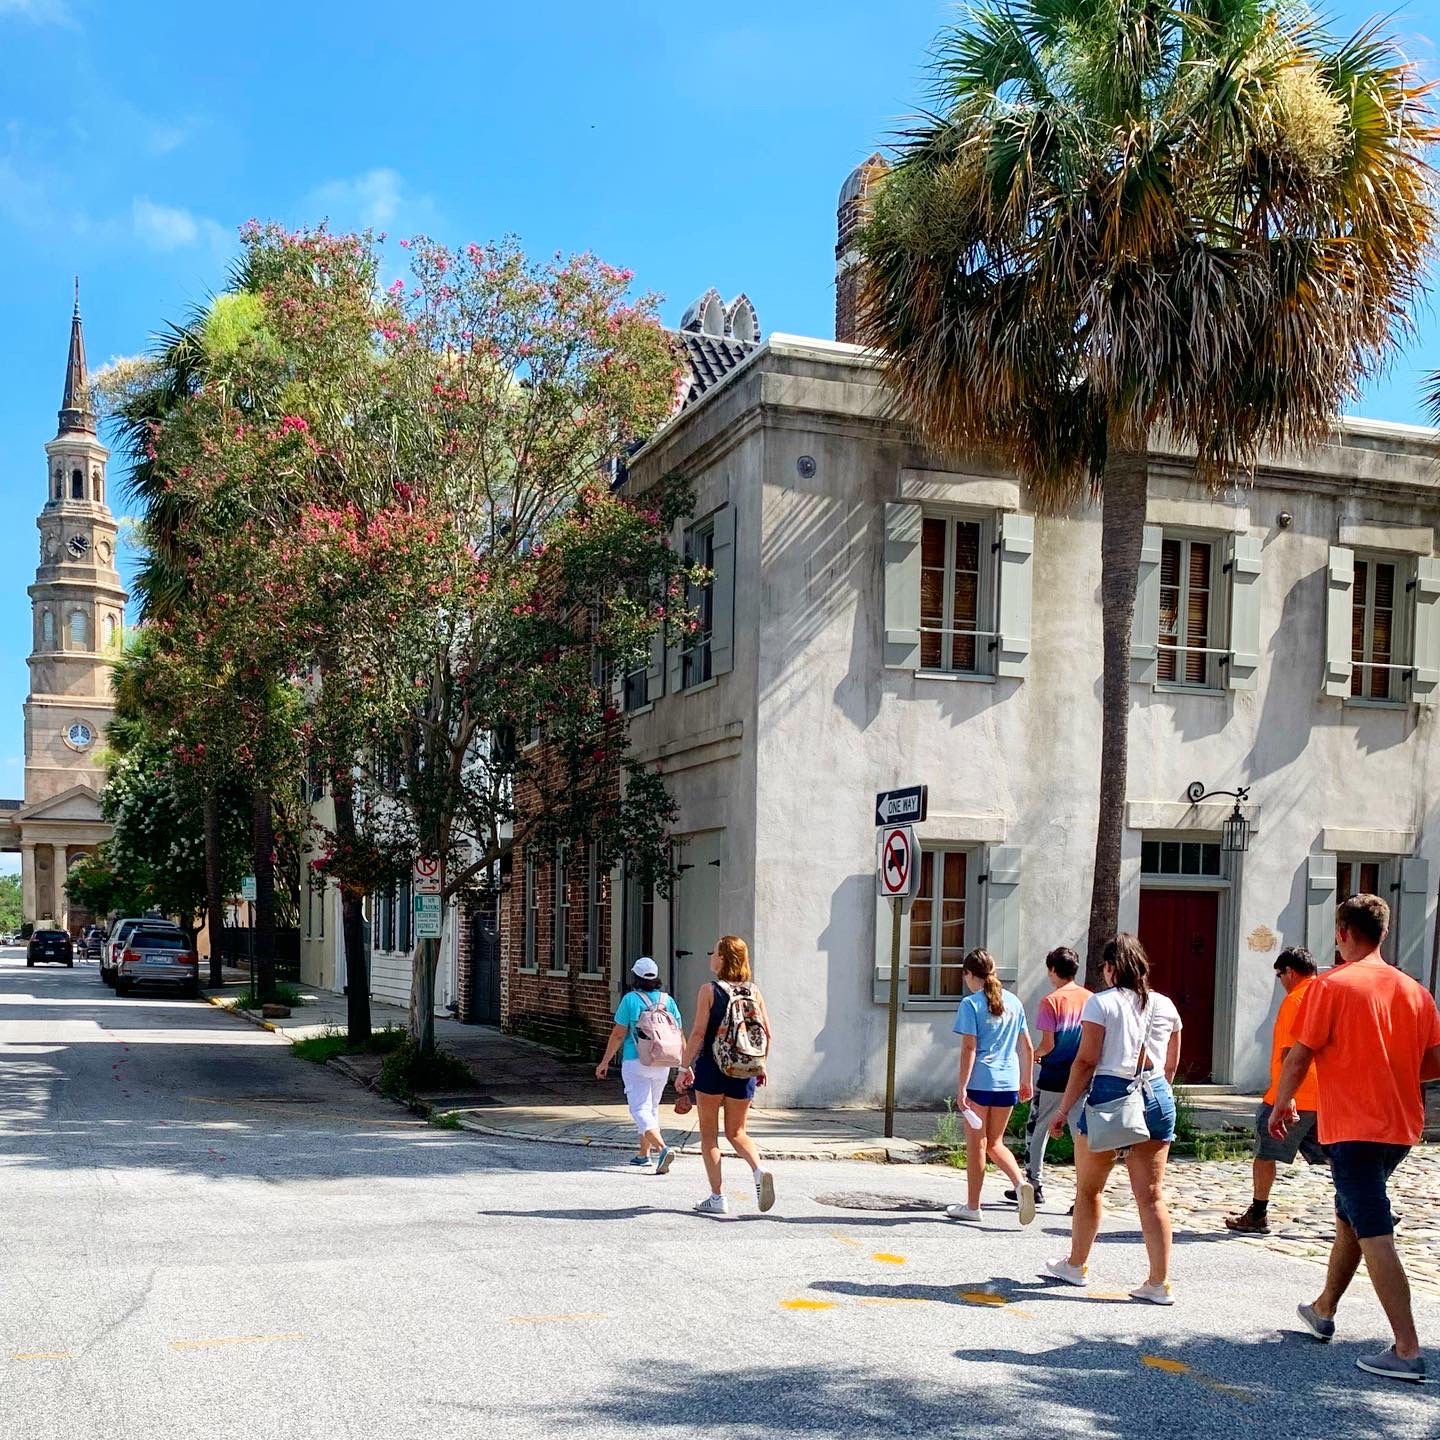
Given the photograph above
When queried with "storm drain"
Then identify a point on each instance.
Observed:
(870, 1200)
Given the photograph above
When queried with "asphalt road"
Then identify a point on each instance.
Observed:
(205, 1237)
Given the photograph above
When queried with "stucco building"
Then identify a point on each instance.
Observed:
(78, 615)
(881, 616)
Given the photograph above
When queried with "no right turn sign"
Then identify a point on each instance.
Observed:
(898, 866)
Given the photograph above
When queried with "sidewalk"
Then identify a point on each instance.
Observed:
(531, 1092)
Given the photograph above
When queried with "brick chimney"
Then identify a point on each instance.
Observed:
(848, 218)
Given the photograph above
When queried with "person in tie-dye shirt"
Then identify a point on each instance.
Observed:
(1058, 1028)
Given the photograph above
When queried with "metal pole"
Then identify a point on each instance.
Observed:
(895, 908)
(250, 945)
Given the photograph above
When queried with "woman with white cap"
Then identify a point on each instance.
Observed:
(648, 1027)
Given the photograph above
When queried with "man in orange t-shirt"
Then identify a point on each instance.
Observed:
(1295, 970)
(1372, 1032)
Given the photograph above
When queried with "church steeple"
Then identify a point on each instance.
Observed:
(75, 411)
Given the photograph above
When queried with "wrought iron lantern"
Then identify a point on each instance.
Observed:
(1235, 832)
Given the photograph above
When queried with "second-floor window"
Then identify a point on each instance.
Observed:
(1189, 628)
(955, 589)
(1375, 629)
(695, 649)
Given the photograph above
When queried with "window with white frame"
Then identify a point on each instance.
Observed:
(559, 961)
(1366, 875)
(939, 925)
(594, 900)
(695, 647)
(1190, 613)
(1377, 624)
(956, 594)
(532, 914)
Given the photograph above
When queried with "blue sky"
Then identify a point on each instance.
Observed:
(697, 145)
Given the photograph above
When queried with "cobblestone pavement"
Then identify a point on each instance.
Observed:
(1302, 1208)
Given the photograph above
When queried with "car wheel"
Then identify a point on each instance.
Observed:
(69, 964)
(30, 964)
(192, 992)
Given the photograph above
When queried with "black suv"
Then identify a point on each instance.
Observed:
(54, 947)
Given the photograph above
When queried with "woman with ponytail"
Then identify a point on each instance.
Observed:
(996, 1063)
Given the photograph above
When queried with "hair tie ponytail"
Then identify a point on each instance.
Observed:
(981, 964)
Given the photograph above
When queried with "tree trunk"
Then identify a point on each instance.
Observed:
(263, 834)
(1122, 526)
(352, 925)
(214, 883)
(422, 992)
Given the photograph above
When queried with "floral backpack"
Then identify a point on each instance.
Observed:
(742, 1039)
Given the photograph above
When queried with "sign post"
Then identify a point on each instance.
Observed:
(247, 894)
(898, 878)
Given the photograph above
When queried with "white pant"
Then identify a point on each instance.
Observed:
(644, 1085)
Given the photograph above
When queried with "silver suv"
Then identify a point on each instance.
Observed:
(158, 955)
(110, 951)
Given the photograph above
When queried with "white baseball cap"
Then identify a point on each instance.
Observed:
(645, 968)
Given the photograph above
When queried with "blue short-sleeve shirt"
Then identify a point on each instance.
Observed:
(632, 1007)
(997, 1040)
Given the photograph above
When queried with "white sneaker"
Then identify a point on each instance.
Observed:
(1027, 1202)
(712, 1205)
(1069, 1274)
(964, 1212)
(1155, 1294)
(764, 1190)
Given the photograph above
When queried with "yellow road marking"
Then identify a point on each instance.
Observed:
(807, 1304)
(556, 1319)
(885, 1259)
(41, 1355)
(983, 1297)
(232, 1340)
(1161, 1362)
(846, 1240)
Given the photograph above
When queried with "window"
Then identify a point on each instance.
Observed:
(955, 568)
(695, 647)
(112, 626)
(1375, 630)
(639, 918)
(938, 918)
(1188, 614)
(532, 914)
(1367, 875)
(59, 484)
(79, 629)
(320, 905)
(77, 484)
(1180, 857)
(47, 629)
(594, 913)
(559, 961)
(309, 909)
(99, 485)
(387, 918)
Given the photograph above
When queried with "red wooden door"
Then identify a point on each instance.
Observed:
(1177, 929)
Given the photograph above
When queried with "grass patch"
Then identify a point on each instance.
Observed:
(283, 994)
(333, 1042)
(406, 1071)
(951, 1130)
(448, 1120)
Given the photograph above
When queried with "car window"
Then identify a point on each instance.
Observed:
(159, 940)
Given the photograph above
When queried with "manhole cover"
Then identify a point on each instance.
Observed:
(278, 1099)
(868, 1200)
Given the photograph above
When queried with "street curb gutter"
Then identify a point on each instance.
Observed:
(904, 1152)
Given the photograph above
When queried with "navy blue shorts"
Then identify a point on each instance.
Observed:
(1361, 1169)
(995, 1099)
(710, 1079)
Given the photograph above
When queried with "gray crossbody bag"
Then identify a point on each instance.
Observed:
(1114, 1124)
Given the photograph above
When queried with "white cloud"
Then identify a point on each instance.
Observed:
(169, 227)
(40, 12)
(373, 200)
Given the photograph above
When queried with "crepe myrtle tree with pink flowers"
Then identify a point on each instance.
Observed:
(404, 512)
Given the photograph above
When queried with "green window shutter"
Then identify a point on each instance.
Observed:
(722, 612)
(1145, 628)
(1410, 922)
(1244, 667)
(1425, 683)
(655, 671)
(1339, 617)
(1320, 908)
(902, 586)
(1002, 909)
(1017, 546)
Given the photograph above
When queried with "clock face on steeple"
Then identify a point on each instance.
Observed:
(79, 546)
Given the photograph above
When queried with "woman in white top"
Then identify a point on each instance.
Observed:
(1125, 1031)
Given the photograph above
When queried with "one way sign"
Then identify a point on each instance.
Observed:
(902, 807)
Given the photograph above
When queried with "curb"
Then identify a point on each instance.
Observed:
(249, 1015)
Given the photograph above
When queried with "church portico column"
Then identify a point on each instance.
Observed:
(27, 883)
(62, 872)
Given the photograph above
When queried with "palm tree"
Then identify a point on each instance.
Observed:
(1200, 218)
(1432, 398)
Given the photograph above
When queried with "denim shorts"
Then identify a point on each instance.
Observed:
(1361, 1169)
(1159, 1102)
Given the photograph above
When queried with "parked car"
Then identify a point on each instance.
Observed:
(158, 955)
(54, 947)
(92, 942)
(115, 942)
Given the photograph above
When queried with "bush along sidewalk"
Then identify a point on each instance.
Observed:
(324, 1048)
(282, 994)
(407, 1073)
